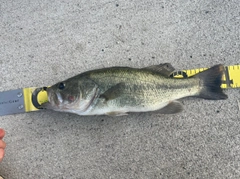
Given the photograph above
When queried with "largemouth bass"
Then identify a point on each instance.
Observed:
(116, 91)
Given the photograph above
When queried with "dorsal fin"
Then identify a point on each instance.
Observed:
(165, 69)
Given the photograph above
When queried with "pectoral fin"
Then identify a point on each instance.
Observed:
(113, 92)
(172, 108)
(165, 69)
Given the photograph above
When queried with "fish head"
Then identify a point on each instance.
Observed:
(64, 95)
(73, 95)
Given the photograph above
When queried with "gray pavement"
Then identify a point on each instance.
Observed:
(43, 42)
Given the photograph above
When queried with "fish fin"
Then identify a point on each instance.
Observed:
(165, 69)
(116, 113)
(113, 92)
(172, 108)
(210, 83)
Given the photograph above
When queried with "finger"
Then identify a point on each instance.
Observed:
(2, 144)
(2, 152)
(2, 133)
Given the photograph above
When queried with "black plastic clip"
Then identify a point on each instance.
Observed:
(35, 95)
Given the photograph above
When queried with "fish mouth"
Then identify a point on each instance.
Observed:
(57, 101)
(46, 105)
(52, 102)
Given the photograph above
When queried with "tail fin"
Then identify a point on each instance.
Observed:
(210, 83)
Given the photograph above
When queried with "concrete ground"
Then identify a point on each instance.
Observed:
(43, 42)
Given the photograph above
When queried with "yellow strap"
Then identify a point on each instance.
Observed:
(231, 77)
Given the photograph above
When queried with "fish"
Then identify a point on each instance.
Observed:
(117, 91)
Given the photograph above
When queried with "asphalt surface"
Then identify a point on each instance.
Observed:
(43, 42)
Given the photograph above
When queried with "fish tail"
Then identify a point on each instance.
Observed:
(210, 83)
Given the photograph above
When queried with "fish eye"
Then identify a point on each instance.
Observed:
(61, 86)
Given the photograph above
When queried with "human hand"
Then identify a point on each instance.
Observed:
(2, 144)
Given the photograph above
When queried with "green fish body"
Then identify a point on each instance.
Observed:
(118, 90)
